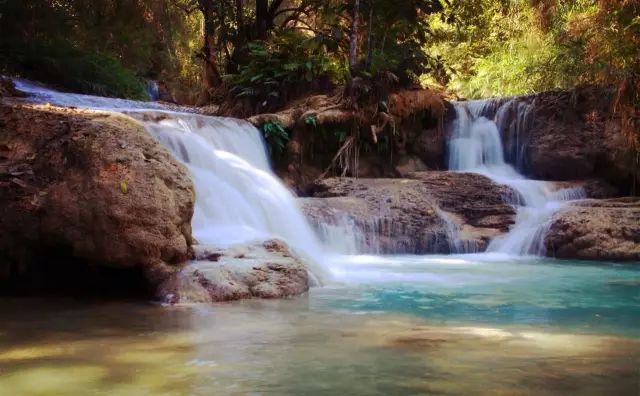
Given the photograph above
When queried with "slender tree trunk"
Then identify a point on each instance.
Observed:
(240, 14)
(353, 44)
(212, 76)
(369, 38)
(262, 16)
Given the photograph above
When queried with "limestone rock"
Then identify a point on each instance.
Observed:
(423, 213)
(262, 270)
(570, 135)
(94, 187)
(596, 230)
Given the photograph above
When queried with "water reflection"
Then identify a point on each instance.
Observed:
(290, 347)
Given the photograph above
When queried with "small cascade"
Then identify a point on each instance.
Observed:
(513, 119)
(153, 90)
(342, 235)
(456, 244)
(476, 145)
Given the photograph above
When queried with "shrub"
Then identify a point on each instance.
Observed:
(281, 67)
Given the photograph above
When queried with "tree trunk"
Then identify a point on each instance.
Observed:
(353, 44)
(369, 38)
(240, 14)
(212, 76)
(262, 16)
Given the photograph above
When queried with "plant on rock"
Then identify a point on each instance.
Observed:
(276, 137)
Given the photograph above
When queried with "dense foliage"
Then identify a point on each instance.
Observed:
(493, 48)
(264, 53)
(509, 47)
(104, 47)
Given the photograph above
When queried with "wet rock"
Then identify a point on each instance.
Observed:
(409, 164)
(593, 188)
(8, 88)
(259, 270)
(423, 213)
(596, 230)
(568, 135)
(89, 187)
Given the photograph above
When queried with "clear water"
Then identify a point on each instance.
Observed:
(493, 289)
(404, 325)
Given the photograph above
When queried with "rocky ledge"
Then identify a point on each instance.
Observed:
(423, 213)
(84, 188)
(262, 270)
(607, 229)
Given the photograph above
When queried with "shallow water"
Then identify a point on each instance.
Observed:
(403, 325)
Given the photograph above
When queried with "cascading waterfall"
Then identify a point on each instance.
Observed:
(238, 198)
(476, 146)
(341, 235)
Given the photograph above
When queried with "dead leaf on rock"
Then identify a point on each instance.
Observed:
(19, 182)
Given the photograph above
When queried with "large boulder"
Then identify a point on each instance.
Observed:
(80, 189)
(596, 230)
(428, 212)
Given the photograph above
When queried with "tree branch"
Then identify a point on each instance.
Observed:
(274, 7)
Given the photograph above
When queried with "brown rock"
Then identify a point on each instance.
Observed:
(267, 270)
(89, 186)
(570, 136)
(596, 230)
(419, 214)
(409, 164)
(8, 88)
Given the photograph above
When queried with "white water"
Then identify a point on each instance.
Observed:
(239, 199)
(476, 146)
(39, 94)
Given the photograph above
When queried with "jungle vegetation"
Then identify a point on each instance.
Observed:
(264, 53)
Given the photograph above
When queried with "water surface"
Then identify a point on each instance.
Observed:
(404, 325)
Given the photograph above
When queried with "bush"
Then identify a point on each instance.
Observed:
(281, 67)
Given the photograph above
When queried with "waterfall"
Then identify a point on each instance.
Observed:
(238, 198)
(475, 145)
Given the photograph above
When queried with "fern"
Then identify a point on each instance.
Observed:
(276, 137)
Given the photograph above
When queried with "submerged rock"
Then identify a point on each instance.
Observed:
(262, 270)
(429, 212)
(596, 230)
(89, 188)
(8, 88)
